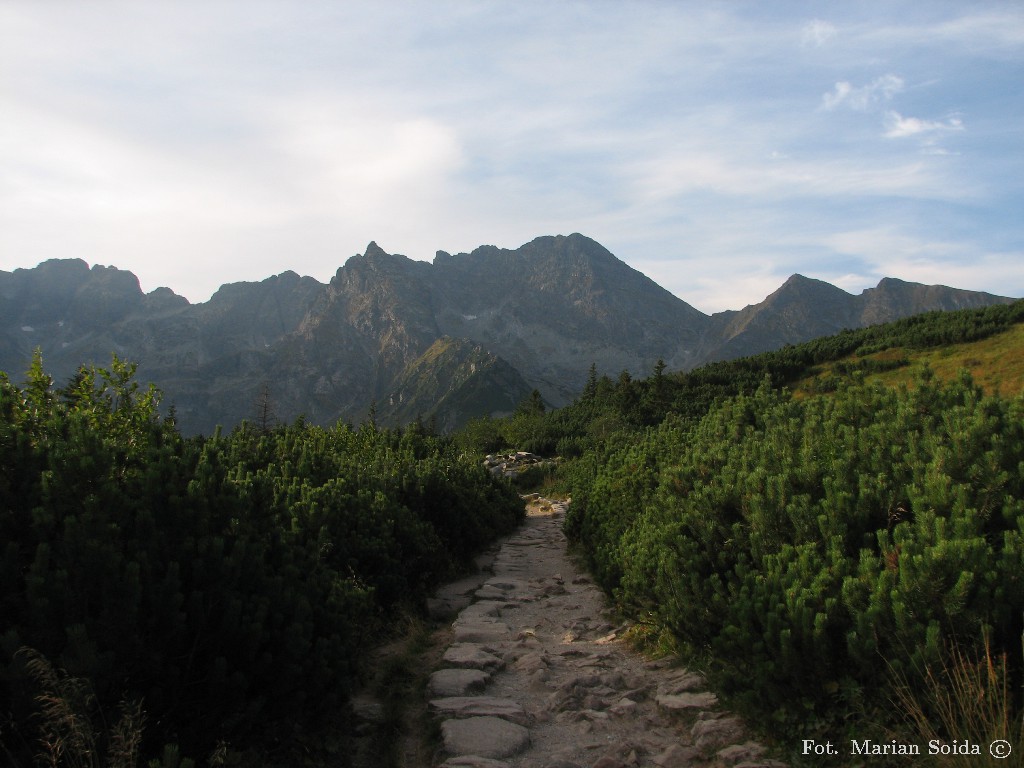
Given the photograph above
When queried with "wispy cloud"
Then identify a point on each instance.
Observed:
(887, 251)
(865, 97)
(817, 33)
(899, 127)
(710, 168)
(989, 30)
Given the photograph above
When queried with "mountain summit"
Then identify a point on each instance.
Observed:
(466, 335)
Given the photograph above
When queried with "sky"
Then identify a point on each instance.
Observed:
(717, 147)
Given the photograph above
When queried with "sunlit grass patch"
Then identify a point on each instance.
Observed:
(996, 364)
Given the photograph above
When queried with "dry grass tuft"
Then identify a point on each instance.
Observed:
(69, 739)
(967, 699)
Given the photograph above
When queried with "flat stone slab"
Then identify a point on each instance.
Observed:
(484, 737)
(480, 706)
(682, 682)
(457, 682)
(750, 752)
(676, 756)
(681, 701)
(472, 656)
(481, 611)
(716, 733)
(491, 632)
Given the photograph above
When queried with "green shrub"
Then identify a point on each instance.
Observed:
(229, 583)
(809, 546)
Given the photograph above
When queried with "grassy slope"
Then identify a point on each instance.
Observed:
(996, 363)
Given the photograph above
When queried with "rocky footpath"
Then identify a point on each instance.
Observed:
(511, 465)
(537, 677)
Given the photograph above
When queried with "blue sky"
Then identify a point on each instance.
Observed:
(716, 147)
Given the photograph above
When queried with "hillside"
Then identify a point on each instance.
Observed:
(995, 363)
(986, 341)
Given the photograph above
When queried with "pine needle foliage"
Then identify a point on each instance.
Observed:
(232, 582)
(807, 546)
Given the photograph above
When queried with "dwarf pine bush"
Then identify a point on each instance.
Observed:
(812, 546)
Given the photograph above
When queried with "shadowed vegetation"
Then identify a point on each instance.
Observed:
(231, 584)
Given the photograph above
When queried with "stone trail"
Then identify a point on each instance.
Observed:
(536, 677)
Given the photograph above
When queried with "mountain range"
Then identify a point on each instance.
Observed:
(466, 335)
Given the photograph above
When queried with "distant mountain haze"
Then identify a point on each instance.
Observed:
(467, 335)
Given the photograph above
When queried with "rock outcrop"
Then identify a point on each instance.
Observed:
(511, 465)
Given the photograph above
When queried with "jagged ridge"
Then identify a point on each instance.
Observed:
(406, 335)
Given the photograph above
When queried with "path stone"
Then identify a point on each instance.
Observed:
(680, 682)
(741, 753)
(683, 701)
(454, 597)
(480, 706)
(484, 737)
(481, 612)
(457, 682)
(676, 756)
(487, 632)
(472, 656)
(715, 733)
(538, 677)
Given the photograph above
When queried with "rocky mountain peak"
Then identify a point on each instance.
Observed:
(164, 299)
(798, 284)
(55, 272)
(891, 283)
(375, 251)
(460, 337)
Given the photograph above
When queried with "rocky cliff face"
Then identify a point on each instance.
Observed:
(558, 304)
(453, 381)
(469, 334)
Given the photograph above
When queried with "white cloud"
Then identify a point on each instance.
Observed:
(898, 126)
(864, 98)
(888, 252)
(839, 94)
(880, 245)
(816, 33)
(354, 155)
(675, 172)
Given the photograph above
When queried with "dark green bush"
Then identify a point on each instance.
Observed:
(813, 547)
(231, 583)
